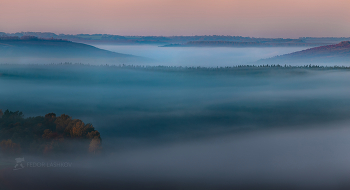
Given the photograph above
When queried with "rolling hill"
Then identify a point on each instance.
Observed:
(33, 49)
(331, 53)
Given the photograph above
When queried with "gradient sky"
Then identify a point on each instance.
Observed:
(258, 18)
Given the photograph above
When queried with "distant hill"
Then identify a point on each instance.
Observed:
(52, 50)
(330, 53)
(172, 40)
(33, 46)
(256, 43)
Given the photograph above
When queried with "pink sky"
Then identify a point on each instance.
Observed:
(258, 18)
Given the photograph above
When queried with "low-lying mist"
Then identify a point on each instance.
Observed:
(200, 56)
(173, 127)
(272, 159)
(133, 103)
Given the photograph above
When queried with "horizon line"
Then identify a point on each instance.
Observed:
(171, 35)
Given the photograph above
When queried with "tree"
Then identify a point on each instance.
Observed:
(12, 116)
(62, 122)
(46, 135)
(50, 117)
(76, 128)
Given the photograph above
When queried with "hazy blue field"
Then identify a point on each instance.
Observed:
(196, 127)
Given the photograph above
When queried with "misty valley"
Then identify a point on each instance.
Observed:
(174, 95)
(134, 116)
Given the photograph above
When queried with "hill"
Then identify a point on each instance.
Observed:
(256, 43)
(171, 40)
(27, 48)
(331, 53)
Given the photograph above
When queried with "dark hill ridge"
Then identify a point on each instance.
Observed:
(330, 53)
(35, 47)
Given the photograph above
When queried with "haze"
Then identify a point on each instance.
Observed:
(258, 18)
(193, 112)
(190, 128)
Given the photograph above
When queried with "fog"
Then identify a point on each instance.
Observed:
(273, 159)
(181, 128)
(200, 56)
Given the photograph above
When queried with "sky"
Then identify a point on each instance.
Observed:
(255, 18)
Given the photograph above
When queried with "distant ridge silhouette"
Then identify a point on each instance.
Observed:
(33, 50)
(40, 47)
(330, 53)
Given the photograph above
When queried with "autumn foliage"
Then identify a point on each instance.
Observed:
(46, 135)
